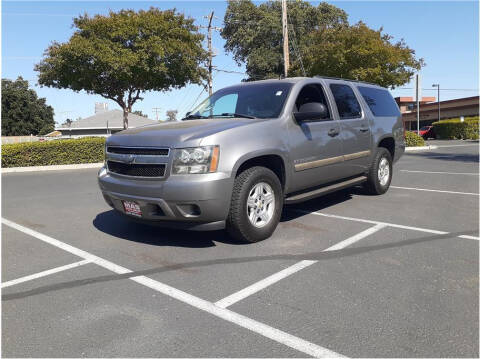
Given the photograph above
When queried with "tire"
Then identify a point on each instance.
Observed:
(265, 217)
(374, 185)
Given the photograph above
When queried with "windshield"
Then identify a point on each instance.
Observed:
(261, 100)
(424, 128)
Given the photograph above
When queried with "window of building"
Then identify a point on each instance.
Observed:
(380, 101)
(347, 104)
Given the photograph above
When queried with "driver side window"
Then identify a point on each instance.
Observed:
(312, 93)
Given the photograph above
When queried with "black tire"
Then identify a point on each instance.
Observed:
(238, 224)
(373, 184)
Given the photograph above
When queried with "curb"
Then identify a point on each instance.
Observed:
(52, 168)
(420, 148)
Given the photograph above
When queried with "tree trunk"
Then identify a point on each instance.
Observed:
(125, 118)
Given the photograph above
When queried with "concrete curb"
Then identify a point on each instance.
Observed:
(52, 168)
(420, 148)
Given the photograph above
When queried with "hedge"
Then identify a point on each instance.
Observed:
(54, 152)
(413, 140)
(455, 129)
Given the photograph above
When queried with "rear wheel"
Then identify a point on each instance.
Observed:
(380, 174)
(256, 207)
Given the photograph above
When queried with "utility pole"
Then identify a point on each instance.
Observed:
(210, 54)
(418, 94)
(210, 49)
(156, 110)
(438, 98)
(286, 60)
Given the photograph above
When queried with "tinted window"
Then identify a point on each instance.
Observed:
(347, 104)
(380, 101)
(311, 93)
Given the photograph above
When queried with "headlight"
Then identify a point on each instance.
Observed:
(195, 160)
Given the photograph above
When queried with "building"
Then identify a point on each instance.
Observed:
(467, 106)
(102, 124)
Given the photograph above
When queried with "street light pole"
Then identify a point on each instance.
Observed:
(438, 98)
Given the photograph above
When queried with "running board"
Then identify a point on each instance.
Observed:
(305, 196)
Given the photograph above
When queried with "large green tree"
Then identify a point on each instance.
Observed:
(254, 33)
(23, 113)
(124, 54)
(360, 53)
(321, 42)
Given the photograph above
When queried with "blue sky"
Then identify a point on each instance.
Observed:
(444, 33)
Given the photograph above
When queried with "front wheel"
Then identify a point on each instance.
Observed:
(380, 173)
(256, 207)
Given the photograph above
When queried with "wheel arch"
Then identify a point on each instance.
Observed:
(273, 160)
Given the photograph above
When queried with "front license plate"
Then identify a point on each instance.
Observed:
(132, 208)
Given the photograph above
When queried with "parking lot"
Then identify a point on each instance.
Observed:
(343, 275)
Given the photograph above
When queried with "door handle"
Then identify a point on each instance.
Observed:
(364, 129)
(333, 132)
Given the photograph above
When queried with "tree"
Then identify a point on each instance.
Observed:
(68, 122)
(124, 54)
(254, 33)
(321, 37)
(139, 113)
(360, 53)
(23, 113)
(172, 115)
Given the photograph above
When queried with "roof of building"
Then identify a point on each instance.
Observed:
(111, 119)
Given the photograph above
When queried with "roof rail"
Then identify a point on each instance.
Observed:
(339, 78)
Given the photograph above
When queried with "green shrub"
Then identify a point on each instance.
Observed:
(54, 152)
(455, 129)
(413, 140)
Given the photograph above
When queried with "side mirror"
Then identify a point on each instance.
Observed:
(311, 111)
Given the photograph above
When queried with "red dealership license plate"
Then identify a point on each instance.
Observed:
(132, 208)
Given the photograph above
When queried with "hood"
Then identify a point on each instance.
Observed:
(172, 134)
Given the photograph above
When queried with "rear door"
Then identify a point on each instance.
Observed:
(355, 132)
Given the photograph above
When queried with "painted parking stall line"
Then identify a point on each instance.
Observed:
(274, 278)
(393, 225)
(265, 330)
(435, 190)
(443, 173)
(44, 273)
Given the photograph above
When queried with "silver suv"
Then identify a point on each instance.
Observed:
(249, 149)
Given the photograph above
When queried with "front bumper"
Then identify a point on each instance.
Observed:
(193, 201)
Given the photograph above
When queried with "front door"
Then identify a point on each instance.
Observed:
(355, 129)
(316, 147)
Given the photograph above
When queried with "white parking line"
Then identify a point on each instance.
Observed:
(274, 278)
(226, 314)
(43, 274)
(393, 225)
(443, 173)
(469, 237)
(435, 190)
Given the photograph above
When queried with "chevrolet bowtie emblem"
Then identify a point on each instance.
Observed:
(130, 159)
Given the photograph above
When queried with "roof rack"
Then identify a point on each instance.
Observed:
(339, 78)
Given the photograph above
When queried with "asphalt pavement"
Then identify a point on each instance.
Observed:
(346, 274)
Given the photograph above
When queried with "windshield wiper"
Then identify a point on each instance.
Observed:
(241, 115)
(193, 117)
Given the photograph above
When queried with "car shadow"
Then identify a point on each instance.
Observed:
(118, 225)
(455, 157)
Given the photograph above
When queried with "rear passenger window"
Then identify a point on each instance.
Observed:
(347, 104)
(380, 101)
